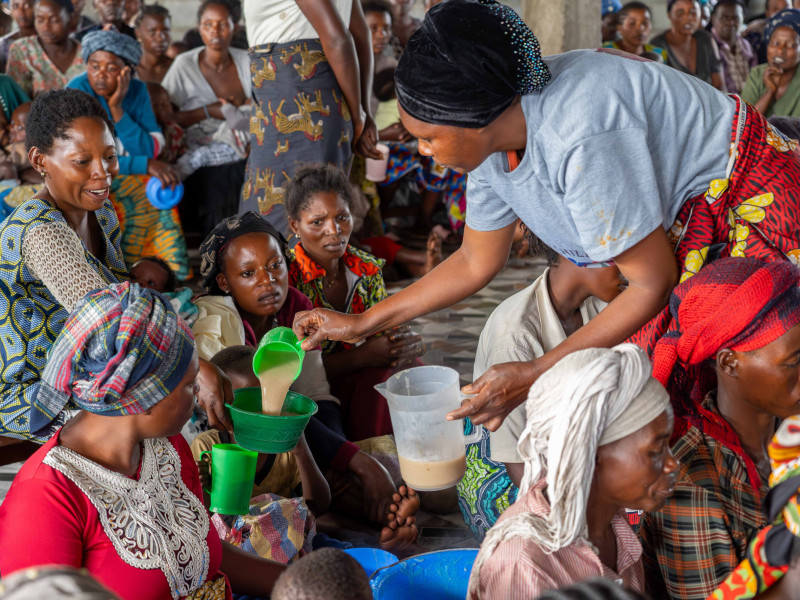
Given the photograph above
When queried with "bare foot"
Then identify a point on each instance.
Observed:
(434, 252)
(405, 503)
(401, 530)
(397, 535)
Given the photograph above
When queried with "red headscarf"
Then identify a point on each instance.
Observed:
(737, 303)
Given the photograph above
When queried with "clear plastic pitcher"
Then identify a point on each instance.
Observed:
(431, 449)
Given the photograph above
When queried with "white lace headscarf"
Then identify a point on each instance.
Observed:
(586, 400)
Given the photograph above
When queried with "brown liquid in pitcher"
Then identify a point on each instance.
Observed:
(276, 381)
(422, 475)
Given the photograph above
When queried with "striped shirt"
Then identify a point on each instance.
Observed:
(694, 542)
(519, 569)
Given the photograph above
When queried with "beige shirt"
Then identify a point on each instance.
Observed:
(522, 328)
(519, 569)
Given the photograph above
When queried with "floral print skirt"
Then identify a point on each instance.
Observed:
(299, 117)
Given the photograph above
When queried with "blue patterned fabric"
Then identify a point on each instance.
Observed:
(486, 490)
(30, 316)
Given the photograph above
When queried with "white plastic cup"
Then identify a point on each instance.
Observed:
(376, 168)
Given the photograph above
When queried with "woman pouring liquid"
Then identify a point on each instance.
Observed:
(597, 186)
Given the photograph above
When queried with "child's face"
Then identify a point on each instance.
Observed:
(19, 117)
(162, 107)
(605, 283)
(380, 26)
(149, 275)
(324, 226)
(254, 272)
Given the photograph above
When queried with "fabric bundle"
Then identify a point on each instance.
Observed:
(275, 528)
(586, 400)
(466, 64)
(121, 351)
(226, 231)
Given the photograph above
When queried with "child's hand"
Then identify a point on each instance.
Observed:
(301, 449)
(205, 474)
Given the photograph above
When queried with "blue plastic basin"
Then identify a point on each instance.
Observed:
(442, 575)
(372, 559)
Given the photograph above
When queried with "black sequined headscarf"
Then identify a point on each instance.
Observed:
(466, 64)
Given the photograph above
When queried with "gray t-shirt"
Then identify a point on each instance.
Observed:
(615, 147)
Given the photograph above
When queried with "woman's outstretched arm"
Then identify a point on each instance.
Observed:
(652, 273)
(469, 269)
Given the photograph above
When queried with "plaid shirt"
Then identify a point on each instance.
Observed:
(701, 534)
(736, 62)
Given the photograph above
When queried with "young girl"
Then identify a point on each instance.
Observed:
(336, 275)
(244, 268)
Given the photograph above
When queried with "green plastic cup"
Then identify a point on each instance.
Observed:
(268, 433)
(273, 349)
(233, 470)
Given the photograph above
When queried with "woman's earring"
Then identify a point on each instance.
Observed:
(43, 174)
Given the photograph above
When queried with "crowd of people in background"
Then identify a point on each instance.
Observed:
(640, 398)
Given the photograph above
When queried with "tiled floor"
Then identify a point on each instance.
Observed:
(451, 337)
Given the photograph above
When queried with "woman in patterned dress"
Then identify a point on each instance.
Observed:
(116, 491)
(57, 246)
(48, 60)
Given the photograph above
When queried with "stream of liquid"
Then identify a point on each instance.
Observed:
(276, 380)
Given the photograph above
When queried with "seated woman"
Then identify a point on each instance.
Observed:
(70, 218)
(774, 88)
(771, 569)
(524, 327)
(635, 25)
(210, 86)
(333, 274)
(731, 364)
(596, 442)
(22, 13)
(690, 49)
(111, 58)
(153, 26)
(243, 266)
(48, 60)
(116, 491)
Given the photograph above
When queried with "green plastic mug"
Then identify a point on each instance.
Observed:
(233, 470)
(277, 346)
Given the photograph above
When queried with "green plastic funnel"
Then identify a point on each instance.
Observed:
(273, 349)
(267, 433)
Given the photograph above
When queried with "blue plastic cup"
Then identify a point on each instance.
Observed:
(163, 198)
